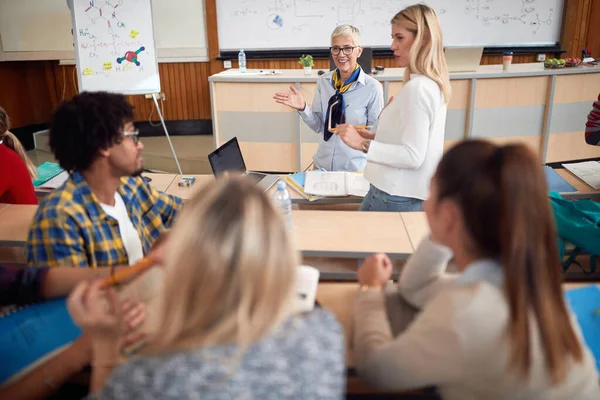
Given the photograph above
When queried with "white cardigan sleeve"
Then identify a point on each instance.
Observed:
(411, 121)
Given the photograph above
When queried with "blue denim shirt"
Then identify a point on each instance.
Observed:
(363, 103)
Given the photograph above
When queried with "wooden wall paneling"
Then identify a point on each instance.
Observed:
(575, 26)
(593, 33)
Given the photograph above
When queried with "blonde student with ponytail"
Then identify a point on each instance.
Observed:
(500, 328)
(409, 140)
(16, 169)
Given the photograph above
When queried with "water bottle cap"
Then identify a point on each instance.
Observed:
(280, 185)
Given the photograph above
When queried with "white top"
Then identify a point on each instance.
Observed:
(409, 140)
(458, 340)
(129, 235)
(363, 103)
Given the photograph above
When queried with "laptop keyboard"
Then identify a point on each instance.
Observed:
(255, 177)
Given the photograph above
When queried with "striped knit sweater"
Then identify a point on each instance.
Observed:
(592, 127)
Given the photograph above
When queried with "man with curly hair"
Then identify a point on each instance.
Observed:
(105, 214)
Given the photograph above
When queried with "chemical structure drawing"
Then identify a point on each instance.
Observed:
(279, 6)
(477, 7)
(105, 11)
(131, 56)
(526, 17)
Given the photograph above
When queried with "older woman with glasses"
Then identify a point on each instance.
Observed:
(345, 95)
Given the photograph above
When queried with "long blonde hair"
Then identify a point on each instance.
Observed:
(229, 272)
(13, 143)
(427, 51)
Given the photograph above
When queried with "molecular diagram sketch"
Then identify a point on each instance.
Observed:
(303, 15)
(526, 16)
(105, 30)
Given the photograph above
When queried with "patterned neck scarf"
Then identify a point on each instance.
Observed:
(337, 111)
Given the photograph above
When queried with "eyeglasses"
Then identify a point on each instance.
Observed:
(335, 50)
(134, 135)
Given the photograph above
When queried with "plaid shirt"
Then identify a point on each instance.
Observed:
(71, 229)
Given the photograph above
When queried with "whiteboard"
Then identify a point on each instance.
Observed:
(41, 30)
(301, 24)
(114, 46)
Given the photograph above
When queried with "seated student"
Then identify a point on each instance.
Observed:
(359, 100)
(26, 285)
(16, 169)
(592, 127)
(500, 329)
(226, 330)
(105, 214)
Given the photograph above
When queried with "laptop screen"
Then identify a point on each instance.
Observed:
(228, 157)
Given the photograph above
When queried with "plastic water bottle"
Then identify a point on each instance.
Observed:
(242, 61)
(283, 202)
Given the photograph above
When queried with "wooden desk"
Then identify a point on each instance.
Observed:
(15, 221)
(416, 225)
(186, 193)
(356, 235)
(582, 187)
(160, 182)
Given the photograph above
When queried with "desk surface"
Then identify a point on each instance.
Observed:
(577, 183)
(186, 193)
(15, 221)
(348, 234)
(397, 74)
(335, 234)
(160, 181)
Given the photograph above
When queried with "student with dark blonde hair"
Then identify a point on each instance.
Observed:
(409, 139)
(226, 326)
(500, 329)
(16, 169)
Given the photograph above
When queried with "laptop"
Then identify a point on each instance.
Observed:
(228, 157)
(463, 59)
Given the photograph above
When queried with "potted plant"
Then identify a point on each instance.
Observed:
(307, 62)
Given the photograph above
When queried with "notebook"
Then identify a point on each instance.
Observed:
(587, 171)
(29, 335)
(338, 183)
(296, 182)
(585, 304)
(32, 334)
(46, 171)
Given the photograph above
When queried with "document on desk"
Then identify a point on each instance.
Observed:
(335, 184)
(587, 171)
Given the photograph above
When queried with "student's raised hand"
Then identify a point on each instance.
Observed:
(294, 99)
(376, 270)
(350, 136)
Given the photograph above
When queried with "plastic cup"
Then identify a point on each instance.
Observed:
(506, 60)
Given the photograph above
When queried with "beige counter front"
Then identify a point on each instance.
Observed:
(544, 108)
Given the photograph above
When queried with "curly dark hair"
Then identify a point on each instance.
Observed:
(86, 124)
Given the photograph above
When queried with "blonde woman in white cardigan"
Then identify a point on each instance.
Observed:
(403, 154)
(498, 330)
